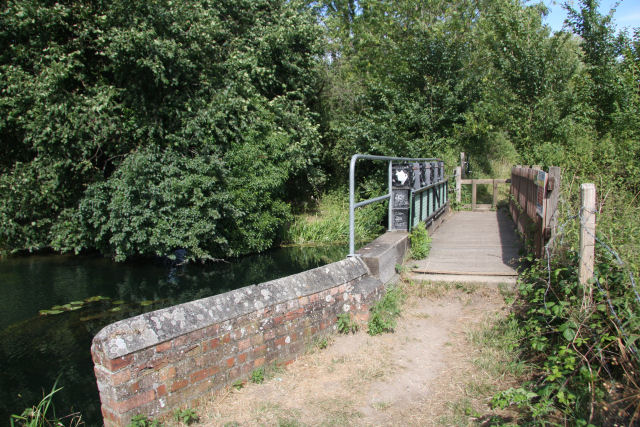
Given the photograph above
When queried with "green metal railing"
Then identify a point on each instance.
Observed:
(427, 202)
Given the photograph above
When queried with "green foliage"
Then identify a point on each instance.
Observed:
(420, 242)
(186, 416)
(322, 343)
(40, 414)
(257, 375)
(139, 128)
(144, 421)
(575, 352)
(384, 314)
(346, 324)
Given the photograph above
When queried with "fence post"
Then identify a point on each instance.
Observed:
(462, 159)
(552, 203)
(494, 201)
(459, 184)
(587, 241)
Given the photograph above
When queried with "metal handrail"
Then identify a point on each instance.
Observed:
(352, 203)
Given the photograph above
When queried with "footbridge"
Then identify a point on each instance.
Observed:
(481, 245)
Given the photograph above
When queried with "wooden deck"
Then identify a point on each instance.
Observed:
(472, 247)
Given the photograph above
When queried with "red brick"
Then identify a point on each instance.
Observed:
(168, 373)
(119, 363)
(244, 344)
(135, 387)
(226, 338)
(230, 362)
(313, 298)
(234, 373)
(161, 348)
(242, 358)
(258, 362)
(135, 401)
(161, 390)
(256, 340)
(177, 385)
(120, 377)
(212, 344)
(259, 351)
(202, 374)
(108, 415)
(294, 314)
(279, 341)
(278, 320)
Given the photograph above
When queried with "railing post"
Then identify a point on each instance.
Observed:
(352, 208)
(587, 241)
(459, 183)
(390, 195)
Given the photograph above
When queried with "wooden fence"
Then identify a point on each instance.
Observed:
(474, 186)
(534, 202)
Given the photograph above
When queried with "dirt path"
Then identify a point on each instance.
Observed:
(425, 373)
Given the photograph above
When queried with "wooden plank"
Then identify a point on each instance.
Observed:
(465, 273)
(485, 181)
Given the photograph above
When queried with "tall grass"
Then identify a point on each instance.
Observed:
(39, 415)
(328, 223)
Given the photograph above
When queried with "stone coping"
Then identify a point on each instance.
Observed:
(137, 333)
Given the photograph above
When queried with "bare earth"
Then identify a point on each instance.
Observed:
(425, 373)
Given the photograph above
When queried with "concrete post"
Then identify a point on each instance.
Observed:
(587, 241)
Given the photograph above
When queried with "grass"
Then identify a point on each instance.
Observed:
(499, 339)
(328, 222)
(43, 414)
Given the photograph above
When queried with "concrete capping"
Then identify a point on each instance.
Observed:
(149, 329)
(382, 254)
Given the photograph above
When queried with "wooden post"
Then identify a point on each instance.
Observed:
(587, 241)
(473, 194)
(495, 194)
(462, 158)
(459, 184)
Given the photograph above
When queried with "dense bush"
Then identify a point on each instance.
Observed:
(139, 128)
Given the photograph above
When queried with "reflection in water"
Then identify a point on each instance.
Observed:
(36, 349)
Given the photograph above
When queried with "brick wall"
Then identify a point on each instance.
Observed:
(157, 361)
